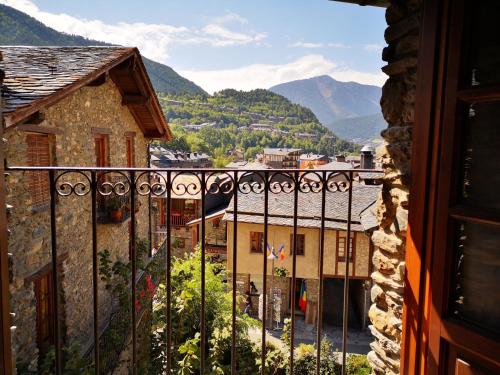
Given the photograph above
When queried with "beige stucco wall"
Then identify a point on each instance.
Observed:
(73, 117)
(308, 264)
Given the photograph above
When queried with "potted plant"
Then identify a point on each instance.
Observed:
(115, 209)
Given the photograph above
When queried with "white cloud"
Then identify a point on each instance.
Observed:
(222, 37)
(230, 17)
(266, 75)
(337, 45)
(306, 45)
(153, 40)
(373, 48)
(302, 44)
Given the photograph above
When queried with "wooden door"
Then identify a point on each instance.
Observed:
(464, 292)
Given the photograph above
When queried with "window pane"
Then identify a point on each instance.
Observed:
(481, 156)
(483, 44)
(476, 292)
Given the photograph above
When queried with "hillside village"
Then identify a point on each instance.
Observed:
(239, 131)
(105, 91)
(153, 228)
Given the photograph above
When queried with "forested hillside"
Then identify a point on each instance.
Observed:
(17, 28)
(231, 115)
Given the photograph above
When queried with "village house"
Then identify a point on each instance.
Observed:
(164, 158)
(310, 160)
(71, 106)
(280, 235)
(435, 306)
(186, 211)
(280, 158)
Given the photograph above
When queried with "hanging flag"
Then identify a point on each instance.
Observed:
(270, 253)
(281, 252)
(303, 297)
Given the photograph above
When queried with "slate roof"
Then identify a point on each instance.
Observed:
(32, 73)
(251, 209)
(335, 166)
(371, 175)
(280, 151)
(38, 77)
(247, 165)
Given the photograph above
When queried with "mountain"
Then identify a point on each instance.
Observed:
(18, 28)
(361, 130)
(331, 100)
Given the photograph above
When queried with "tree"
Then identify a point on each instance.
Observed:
(186, 307)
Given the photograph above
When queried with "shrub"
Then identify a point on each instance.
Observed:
(357, 364)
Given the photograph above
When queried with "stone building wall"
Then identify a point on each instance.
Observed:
(398, 101)
(73, 117)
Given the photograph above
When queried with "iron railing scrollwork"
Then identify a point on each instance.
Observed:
(133, 183)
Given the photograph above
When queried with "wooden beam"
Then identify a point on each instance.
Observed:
(100, 131)
(39, 129)
(135, 99)
(101, 80)
(36, 118)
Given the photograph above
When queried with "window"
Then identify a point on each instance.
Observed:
(301, 244)
(44, 311)
(341, 253)
(130, 146)
(101, 150)
(38, 155)
(216, 222)
(256, 242)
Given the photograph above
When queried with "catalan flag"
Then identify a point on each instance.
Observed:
(303, 297)
(281, 252)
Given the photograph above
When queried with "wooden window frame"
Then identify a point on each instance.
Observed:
(102, 154)
(46, 318)
(130, 149)
(260, 239)
(352, 248)
(427, 257)
(302, 245)
(39, 184)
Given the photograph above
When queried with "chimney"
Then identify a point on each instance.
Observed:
(340, 158)
(366, 157)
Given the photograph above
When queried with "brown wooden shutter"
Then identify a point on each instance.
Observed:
(44, 311)
(38, 155)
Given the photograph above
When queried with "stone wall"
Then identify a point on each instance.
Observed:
(398, 100)
(72, 118)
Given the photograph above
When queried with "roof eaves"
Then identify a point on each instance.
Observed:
(15, 117)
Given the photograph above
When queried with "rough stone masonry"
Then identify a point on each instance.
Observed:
(398, 100)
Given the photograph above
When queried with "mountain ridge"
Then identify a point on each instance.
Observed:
(330, 99)
(18, 28)
(339, 105)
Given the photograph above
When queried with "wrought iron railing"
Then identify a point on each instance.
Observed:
(135, 182)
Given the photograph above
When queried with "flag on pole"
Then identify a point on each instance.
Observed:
(303, 297)
(281, 252)
(270, 253)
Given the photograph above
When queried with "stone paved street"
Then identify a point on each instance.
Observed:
(358, 341)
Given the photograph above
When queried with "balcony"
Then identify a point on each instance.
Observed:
(190, 314)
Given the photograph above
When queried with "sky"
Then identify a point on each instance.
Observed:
(232, 43)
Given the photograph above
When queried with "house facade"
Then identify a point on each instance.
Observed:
(281, 157)
(250, 249)
(82, 111)
(185, 212)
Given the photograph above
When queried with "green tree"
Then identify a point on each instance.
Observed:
(186, 307)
